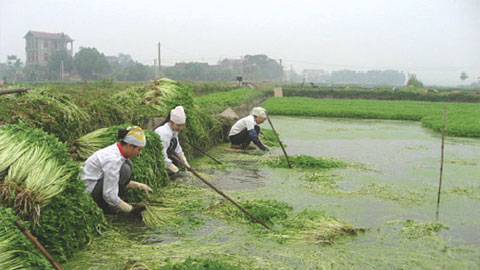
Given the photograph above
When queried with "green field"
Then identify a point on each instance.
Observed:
(219, 101)
(463, 119)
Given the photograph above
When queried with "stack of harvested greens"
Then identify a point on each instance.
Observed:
(16, 251)
(39, 181)
(32, 174)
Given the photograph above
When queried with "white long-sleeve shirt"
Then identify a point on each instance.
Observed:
(105, 163)
(166, 133)
(248, 122)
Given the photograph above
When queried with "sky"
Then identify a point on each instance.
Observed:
(434, 39)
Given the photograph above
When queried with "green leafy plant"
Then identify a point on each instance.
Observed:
(199, 264)
(305, 162)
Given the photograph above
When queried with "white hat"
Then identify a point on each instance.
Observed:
(135, 136)
(177, 115)
(259, 111)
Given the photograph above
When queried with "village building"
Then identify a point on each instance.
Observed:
(39, 46)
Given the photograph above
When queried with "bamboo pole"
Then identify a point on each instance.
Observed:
(203, 152)
(14, 90)
(38, 245)
(441, 161)
(220, 192)
(280, 142)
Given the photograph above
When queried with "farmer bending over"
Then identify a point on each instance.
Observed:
(168, 132)
(247, 129)
(107, 172)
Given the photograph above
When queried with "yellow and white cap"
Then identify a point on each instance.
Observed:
(135, 136)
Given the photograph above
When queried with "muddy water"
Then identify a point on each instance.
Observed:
(400, 156)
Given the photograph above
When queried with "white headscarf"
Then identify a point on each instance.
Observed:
(177, 115)
(259, 111)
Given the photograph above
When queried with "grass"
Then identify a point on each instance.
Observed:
(463, 119)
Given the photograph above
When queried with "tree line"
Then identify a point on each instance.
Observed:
(90, 64)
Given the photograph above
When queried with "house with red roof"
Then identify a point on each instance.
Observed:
(39, 46)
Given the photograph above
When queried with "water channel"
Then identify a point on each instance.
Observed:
(393, 178)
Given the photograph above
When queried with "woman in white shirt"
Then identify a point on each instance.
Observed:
(168, 132)
(247, 129)
(107, 172)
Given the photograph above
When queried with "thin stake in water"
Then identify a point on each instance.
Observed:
(441, 161)
(280, 142)
(220, 192)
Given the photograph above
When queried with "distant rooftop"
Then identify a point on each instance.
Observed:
(49, 35)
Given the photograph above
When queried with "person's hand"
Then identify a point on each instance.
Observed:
(172, 168)
(125, 207)
(134, 184)
(184, 160)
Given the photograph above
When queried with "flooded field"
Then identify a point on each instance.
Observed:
(388, 190)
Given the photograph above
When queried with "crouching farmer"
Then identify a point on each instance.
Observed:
(107, 172)
(247, 130)
(168, 132)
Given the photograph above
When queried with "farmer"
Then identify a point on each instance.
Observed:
(168, 132)
(107, 172)
(247, 129)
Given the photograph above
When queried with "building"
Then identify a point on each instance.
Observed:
(315, 75)
(39, 46)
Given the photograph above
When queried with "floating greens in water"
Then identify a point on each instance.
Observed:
(469, 192)
(308, 225)
(318, 227)
(306, 162)
(412, 229)
(265, 210)
(268, 138)
(200, 264)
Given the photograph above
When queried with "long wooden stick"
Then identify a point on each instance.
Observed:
(38, 245)
(13, 90)
(220, 192)
(203, 152)
(441, 161)
(280, 142)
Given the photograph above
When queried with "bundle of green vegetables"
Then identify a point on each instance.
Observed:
(16, 251)
(32, 175)
(39, 181)
(47, 109)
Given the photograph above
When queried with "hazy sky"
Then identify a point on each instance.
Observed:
(436, 39)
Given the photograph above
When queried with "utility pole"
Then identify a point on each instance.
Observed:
(291, 72)
(155, 71)
(159, 62)
(62, 71)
